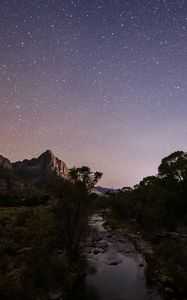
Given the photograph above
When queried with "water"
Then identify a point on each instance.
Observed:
(117, 271)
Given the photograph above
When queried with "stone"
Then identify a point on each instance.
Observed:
(121, 240)
(24, 250)
(102, 244)
(141, 265)
(98, 238)
(55, 296)
(164, 279)
(104, 250)
(5, 164)
(96, 251)
(115, 262)
(168, 290)
(109, 235)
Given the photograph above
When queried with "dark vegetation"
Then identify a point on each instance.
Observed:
(43, 229)
(157, 207)
(42, 236)
(9, 200)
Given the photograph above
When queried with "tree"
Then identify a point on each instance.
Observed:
(73, 207)
(126, 189)
(85, 176)
(174, 166)
(148, 181)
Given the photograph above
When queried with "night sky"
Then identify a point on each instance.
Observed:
(101, 83)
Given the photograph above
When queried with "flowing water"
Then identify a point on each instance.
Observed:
(117, 271)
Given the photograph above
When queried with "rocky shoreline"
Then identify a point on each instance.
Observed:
(107, 248)
(156, 272)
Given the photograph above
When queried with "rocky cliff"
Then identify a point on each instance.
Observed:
(22, 175)
(8, 179)
(5, 164)
(46, 166)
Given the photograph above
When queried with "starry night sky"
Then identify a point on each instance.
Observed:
(101, 83)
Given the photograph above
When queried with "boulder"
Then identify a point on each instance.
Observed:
(55, 296)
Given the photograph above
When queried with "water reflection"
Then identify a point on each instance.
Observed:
(117, 271)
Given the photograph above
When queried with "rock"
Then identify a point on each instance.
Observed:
(98, 238)
(89, 251)
(164, 279)
(96, 251)
(115, 262)
(122, 240)
(11, 184)
(109, 235)
(5, 164)
(60, 251)
(47, 165)
(104, 250)
(55, 296)
(24, 250)
(102, 244)
(141, 265)
(149, 252)
(168, 290)
(3, 185)
(113, 239)
(91, 245)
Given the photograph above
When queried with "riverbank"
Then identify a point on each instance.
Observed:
(116, 270)
(157, 270)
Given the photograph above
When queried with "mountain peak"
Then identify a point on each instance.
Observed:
(47, 165)
(47, 153)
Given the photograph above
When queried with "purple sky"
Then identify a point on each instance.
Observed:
(100, 83)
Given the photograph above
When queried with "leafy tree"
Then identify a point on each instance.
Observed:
(148, 181)
(74, 206)
(85, 175)
(174, 166)
(126, 189)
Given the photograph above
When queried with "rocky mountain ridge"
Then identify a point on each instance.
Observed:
(17, 175)
(22, 175)
(46, 166)
(102, 190)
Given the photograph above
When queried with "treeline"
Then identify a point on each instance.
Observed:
(157, 209)
(158, 202)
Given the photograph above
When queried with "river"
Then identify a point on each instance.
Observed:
(116, 269)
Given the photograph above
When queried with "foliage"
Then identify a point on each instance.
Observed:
(85, 175)
(73, 207)
(174, 166)
(157, 202)
(40, 244)
(11, 200)
(31, 264)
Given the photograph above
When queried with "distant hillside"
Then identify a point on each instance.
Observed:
(103, 190)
